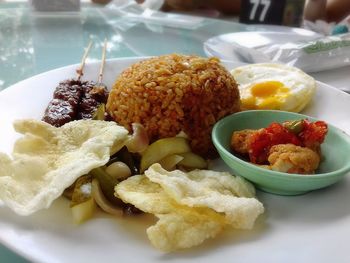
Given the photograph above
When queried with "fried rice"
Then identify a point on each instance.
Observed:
(173, 93)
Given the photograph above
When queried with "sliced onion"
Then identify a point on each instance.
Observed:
(192, 160)
(101, 200)
(169, 163)
(161, 149)
(139, 140)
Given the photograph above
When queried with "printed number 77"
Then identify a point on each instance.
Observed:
(256, 3)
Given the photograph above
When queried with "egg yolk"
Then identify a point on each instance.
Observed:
(266, 95)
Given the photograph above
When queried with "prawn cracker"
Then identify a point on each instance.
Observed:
(47, 160)
(191, 207)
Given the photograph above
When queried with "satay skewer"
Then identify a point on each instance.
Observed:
(82, 64)
(103, 61)
(100, 88)
(95, 91)
(99, 84)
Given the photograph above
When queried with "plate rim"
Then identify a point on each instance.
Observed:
(12, 88)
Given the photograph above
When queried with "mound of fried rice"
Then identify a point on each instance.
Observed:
(173, 93)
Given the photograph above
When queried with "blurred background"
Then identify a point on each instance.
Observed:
(39, 35)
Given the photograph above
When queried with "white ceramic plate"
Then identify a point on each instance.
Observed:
(308, 228)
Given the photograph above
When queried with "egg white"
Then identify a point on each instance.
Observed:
(301, 86)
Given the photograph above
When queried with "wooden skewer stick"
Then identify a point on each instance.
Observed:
(82, 64)
(100, 75)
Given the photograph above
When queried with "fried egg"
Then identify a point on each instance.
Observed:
(274, 87)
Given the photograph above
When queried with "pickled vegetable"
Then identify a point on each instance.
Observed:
(169, 163)
(192, 160)
(107, 183)
(112, 159)
(68, 192)
(100, 112)
(161, 149)
(138, 141)
(83, 211)
(81, 191)
(102, 201)
(128, 158)
(294, 126)
(118, 170)
(82, 204)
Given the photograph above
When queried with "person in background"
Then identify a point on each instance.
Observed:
(315, 10)
(337, 10)
(328, 10)
(224, 6)
(230, 7)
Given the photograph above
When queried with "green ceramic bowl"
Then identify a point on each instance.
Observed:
(335, 150)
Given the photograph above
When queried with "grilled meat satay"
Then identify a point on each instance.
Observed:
(66, 98)
(69, 90)
(75, 99)
(64, 105)
(93, 95)
(58, 112)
